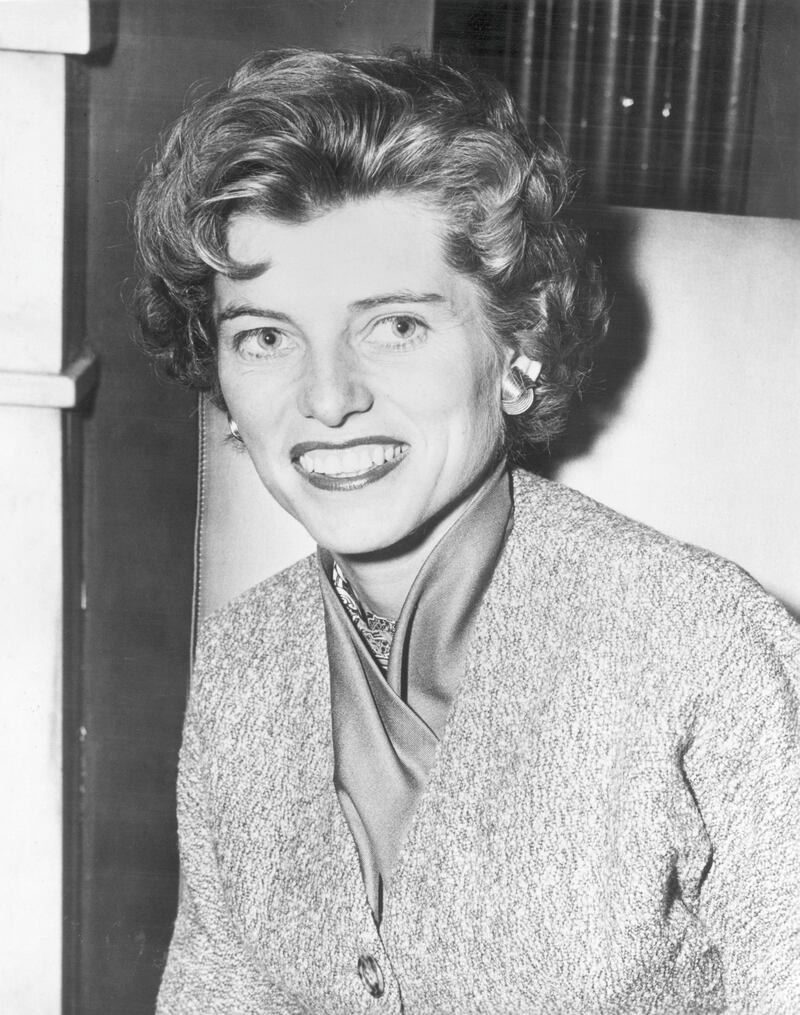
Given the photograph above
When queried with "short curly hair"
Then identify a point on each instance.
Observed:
(295, 133)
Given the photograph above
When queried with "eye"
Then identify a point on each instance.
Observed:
(262, 343)
(398, 331)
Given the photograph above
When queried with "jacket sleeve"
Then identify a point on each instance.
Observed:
(209, 969)
(744, 767)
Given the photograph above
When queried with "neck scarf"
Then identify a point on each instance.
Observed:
(386, 727)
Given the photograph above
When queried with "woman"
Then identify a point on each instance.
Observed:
(496, 748)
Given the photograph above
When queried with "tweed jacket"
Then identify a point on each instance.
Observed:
(611, 824)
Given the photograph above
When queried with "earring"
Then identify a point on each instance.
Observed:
(518, 385)
(234, 429)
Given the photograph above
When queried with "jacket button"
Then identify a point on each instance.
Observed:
(371, 975)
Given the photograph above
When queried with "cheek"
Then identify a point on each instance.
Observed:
(258, 415)
(230, 386)
(248, 395)
(484, 395)
(469, 413)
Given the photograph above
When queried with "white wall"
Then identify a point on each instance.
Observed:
(30, 710)
(33, 388)
(706, 442)
(31, 244)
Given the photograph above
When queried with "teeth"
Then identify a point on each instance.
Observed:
(349, 461)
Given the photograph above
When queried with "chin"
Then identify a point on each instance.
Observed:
(352, 543)
(349, 523)
(352, 532)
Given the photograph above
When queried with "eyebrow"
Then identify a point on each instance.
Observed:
(248, 310)
(368, 303)
(403, 296)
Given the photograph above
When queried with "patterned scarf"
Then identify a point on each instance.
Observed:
(376, 631)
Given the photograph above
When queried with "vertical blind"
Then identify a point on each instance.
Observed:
(653, 99)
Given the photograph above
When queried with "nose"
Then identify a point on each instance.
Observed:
(333, 387)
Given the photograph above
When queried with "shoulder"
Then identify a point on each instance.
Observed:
(632, 578)
(612, 552)
(262, 606)
(268, 624)
(570, 516)
(657, 604)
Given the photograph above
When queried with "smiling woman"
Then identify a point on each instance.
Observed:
(381, 369)
(494, 748)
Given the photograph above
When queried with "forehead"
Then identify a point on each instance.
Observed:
(382, 244)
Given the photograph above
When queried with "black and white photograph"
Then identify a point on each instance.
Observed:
(400, 609)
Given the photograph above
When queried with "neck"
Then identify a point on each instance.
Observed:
(383, 584)
(382, 580)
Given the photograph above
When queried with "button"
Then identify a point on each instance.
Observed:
(371, 974)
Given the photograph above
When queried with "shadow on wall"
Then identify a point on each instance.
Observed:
(610, 239)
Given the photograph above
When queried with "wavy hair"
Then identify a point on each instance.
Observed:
(295, 133)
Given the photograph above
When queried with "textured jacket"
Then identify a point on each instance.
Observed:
(611, 825)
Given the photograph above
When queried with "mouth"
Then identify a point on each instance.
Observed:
(350, 465)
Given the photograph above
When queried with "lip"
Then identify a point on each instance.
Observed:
(356, 481)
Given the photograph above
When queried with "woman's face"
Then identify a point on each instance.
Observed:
(357, 370)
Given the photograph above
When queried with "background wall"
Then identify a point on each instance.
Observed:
(774, 183)
(44, 374)
(140, 490)
(682, 104)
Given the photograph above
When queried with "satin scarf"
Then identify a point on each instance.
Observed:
(386, 729)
